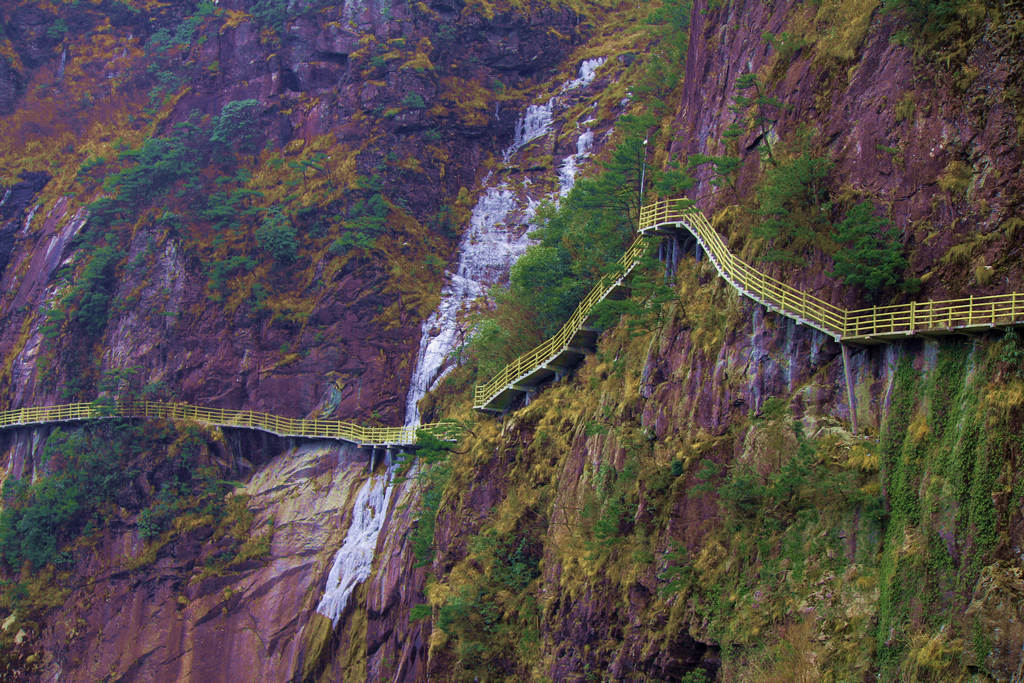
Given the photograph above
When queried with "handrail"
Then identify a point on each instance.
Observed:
(865, 325)
(862, 325)
(550, 348)
(225, 417)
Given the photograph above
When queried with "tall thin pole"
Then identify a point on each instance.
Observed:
(851, 395)
(643, 172)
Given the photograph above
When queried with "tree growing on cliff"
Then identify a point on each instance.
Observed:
(871, 257)
(433, 455)
(271, 13)
(669, 24)
(235, 126)
(760, 110)
(277, 236)
(793, 206)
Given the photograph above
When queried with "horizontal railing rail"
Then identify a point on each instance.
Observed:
(550, 348)
(857, 325)
(865, 325)
(226, 417)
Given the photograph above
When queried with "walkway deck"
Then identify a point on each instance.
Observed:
(577, 337)
(877, 324)
(223, 417)
(564, 350)
(864, 325)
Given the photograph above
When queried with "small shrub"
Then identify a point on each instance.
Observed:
(235, 126)
(271, 13)
(906, 107)
(956, 179)
(414, 101)
(57, 30)
(420, 612)
(278, 237)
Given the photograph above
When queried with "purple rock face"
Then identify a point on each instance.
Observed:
(12, 84)
(14, 202)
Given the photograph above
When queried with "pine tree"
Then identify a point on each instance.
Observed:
(870, 257)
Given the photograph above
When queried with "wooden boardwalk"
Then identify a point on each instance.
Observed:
(223, 417)
(873, 325)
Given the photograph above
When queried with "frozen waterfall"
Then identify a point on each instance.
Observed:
(536, 122)
(567, 171)
(588, 69)
(491, 243)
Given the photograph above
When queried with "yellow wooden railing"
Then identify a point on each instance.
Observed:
(862, 325)
(224, 417)
(552, 347)
(866, 325)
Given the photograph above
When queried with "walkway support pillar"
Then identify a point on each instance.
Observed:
(851, 398)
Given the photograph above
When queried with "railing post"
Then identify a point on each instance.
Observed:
(970, 311)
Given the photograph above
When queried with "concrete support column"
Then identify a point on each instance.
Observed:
(851, 397)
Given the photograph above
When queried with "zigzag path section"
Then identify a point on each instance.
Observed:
(877, 324)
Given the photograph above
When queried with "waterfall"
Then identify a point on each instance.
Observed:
(536, 122)
(63, 63)
(487, 250)
(570, 166)
(588, 69)
(353, 561)
(491, 243)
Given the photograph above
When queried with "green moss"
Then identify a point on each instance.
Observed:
(843, 25)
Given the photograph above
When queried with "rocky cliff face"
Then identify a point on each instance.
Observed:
(845, 79)
(405, 100)
(692, 501)
(419, 105)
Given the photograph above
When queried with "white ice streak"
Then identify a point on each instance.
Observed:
(588, 69)
(535, 123)
(353, 561)
(490, 245)
(567, 171)
(28, 219)
(487, 250)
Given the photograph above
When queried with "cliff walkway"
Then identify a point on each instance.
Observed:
(873, 325)
(557, 355)
(222, 417)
